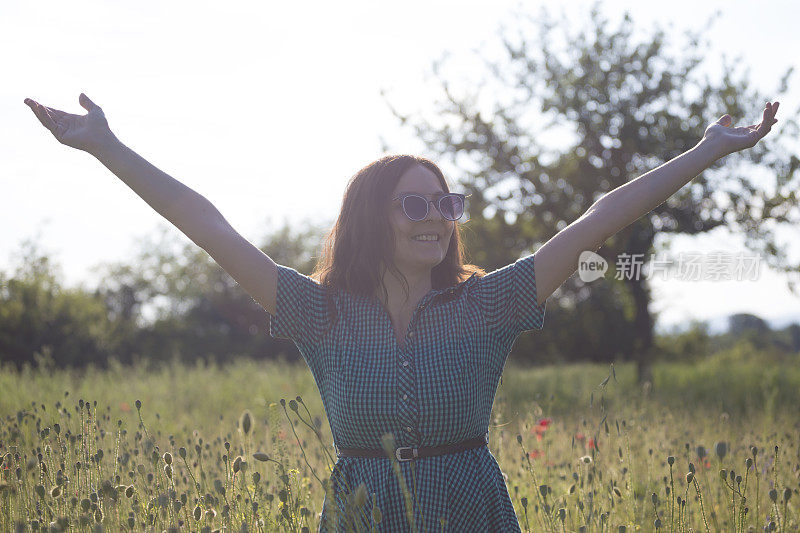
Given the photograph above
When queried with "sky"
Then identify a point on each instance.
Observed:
(268, 108)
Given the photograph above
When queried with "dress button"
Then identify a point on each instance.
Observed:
(405, 363)
(408, 428)
(411, 335)
(405, 396)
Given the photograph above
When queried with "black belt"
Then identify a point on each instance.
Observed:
(408, 453)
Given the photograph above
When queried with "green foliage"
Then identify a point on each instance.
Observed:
(173, 300)
(625, 103)
(40, 316)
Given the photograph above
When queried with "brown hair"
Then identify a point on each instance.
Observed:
(362, 241)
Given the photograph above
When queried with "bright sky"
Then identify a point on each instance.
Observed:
(253, 104)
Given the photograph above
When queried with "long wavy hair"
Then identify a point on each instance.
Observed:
(362, 242)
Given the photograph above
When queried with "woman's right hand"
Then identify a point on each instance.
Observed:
(87, 132)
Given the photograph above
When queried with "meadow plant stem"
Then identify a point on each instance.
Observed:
(742, 502)
(539, 497)
(631, 500)
(700, 497)
(194, 480)
(300, 445)
(314, 429)
(780, 523)
(758, 493)
(671, 501)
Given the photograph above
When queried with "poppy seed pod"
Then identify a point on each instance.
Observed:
(168, 471)
(701, 451)
(721, 449)
(246, 422)
(168, 458)
(689, 477)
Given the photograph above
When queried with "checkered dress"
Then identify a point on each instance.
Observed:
(436, 389)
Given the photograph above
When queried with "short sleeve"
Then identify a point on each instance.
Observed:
(301, 312)
(508, 299)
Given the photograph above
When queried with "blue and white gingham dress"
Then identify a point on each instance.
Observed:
(436, 389)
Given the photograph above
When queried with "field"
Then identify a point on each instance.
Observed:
(707, 447)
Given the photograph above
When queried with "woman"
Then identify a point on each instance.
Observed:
(403, 338)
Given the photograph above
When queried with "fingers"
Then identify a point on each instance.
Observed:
(41, 113)
(86, 103)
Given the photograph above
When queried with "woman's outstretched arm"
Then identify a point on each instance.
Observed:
(557, 259)
(188, 210)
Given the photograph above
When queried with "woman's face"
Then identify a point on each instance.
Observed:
(415, 255)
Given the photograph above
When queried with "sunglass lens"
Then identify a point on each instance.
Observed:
(415, 207)
(452, 207)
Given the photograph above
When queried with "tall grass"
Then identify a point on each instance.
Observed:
(708, 447)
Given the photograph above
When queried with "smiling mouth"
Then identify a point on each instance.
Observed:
(434, 240)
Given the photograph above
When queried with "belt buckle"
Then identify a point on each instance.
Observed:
(414, 453)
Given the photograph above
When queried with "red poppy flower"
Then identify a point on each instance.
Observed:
(580, 437)
(533, 454)
(544, 422)
(592, 443)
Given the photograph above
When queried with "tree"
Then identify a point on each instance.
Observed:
(196, 309)
(743, 322)
(629, 107)
(38, 315)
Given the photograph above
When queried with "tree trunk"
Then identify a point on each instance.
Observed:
(643, 324)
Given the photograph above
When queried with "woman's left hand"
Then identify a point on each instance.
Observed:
(729, 139)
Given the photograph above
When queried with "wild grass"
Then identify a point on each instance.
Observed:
(706, 447)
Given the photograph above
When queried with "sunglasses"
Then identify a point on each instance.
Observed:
(450, 205)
